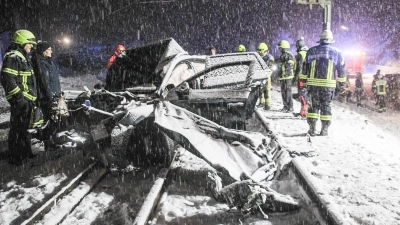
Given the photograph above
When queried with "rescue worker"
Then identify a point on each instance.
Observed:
(48, 84)
(359, 88)
(118, 52)
(381, 87)
(346, 92)
(18, 81)
(265, 92)
(324, 65)
(286, 75)
(212, 50)
(378, 72)
(241, 48)
(301, 77)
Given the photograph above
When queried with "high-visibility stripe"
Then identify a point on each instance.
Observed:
(326, 117)
(37, 123)
(13, 92)
(10, 71)
(312, 115)
(28, 96)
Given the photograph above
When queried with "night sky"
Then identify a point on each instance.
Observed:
(196, 24)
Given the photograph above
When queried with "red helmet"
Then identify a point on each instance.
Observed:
(119, 48)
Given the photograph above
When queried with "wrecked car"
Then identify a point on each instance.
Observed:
(169, 98)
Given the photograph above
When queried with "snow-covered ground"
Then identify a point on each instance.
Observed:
(358, 164)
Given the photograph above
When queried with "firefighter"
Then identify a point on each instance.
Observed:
(301, 77)
(118, 52)
(286, 75)
(381, 87)
(18, 81)
(359, 89)
(265, 95)
(324, 65)
(373, 85)
(241, 48)
(346, 93)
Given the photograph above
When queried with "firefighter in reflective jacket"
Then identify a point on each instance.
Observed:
(265, 95)
(301, 77)
(381, 86)
(286, 75)
(18, 81)
(359, 89)
(324, 65)
(345, 94)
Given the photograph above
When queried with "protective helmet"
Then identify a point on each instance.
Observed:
(119, 48)
(326, 37)
(300, 43)
(262, 47)
(22, 37)
(380, 76)
(241, 48)
(284, 44)
(359, 74)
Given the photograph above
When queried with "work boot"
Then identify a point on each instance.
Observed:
(312, 129)
(289, 110)
(267, 107)
(324, 128)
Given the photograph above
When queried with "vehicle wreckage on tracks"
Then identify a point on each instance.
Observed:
(159, 96)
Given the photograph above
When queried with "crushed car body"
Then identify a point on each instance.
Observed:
(169, 98)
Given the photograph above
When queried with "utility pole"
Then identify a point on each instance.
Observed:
(326, 5)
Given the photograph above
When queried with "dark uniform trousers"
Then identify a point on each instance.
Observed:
(19, 142)
(320, 103)
(286, 91)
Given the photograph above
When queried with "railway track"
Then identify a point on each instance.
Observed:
(144, 196)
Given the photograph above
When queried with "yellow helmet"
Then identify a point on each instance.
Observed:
(262, 47)
(24, 37)
(284, 44)
(241, 48)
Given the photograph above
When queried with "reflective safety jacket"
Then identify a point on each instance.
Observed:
(269, 60)
(324, 66)
(359, 84)
(286, 61)
(381, 86)
(300, 62)
(17, 77)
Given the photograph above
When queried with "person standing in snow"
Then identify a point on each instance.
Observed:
(301, 77)
(359, 89)
(286, 75)
(346, 91)
(118, 52)
(265, 95)
(378, 72)
(324, 65)
(381, 87)
(48, 82)
(18, 81)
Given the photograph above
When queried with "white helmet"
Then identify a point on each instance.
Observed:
(326, 37)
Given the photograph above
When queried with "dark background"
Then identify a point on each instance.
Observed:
(196, 24)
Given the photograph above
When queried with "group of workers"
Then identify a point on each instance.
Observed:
(318, 72)
(30, 81)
